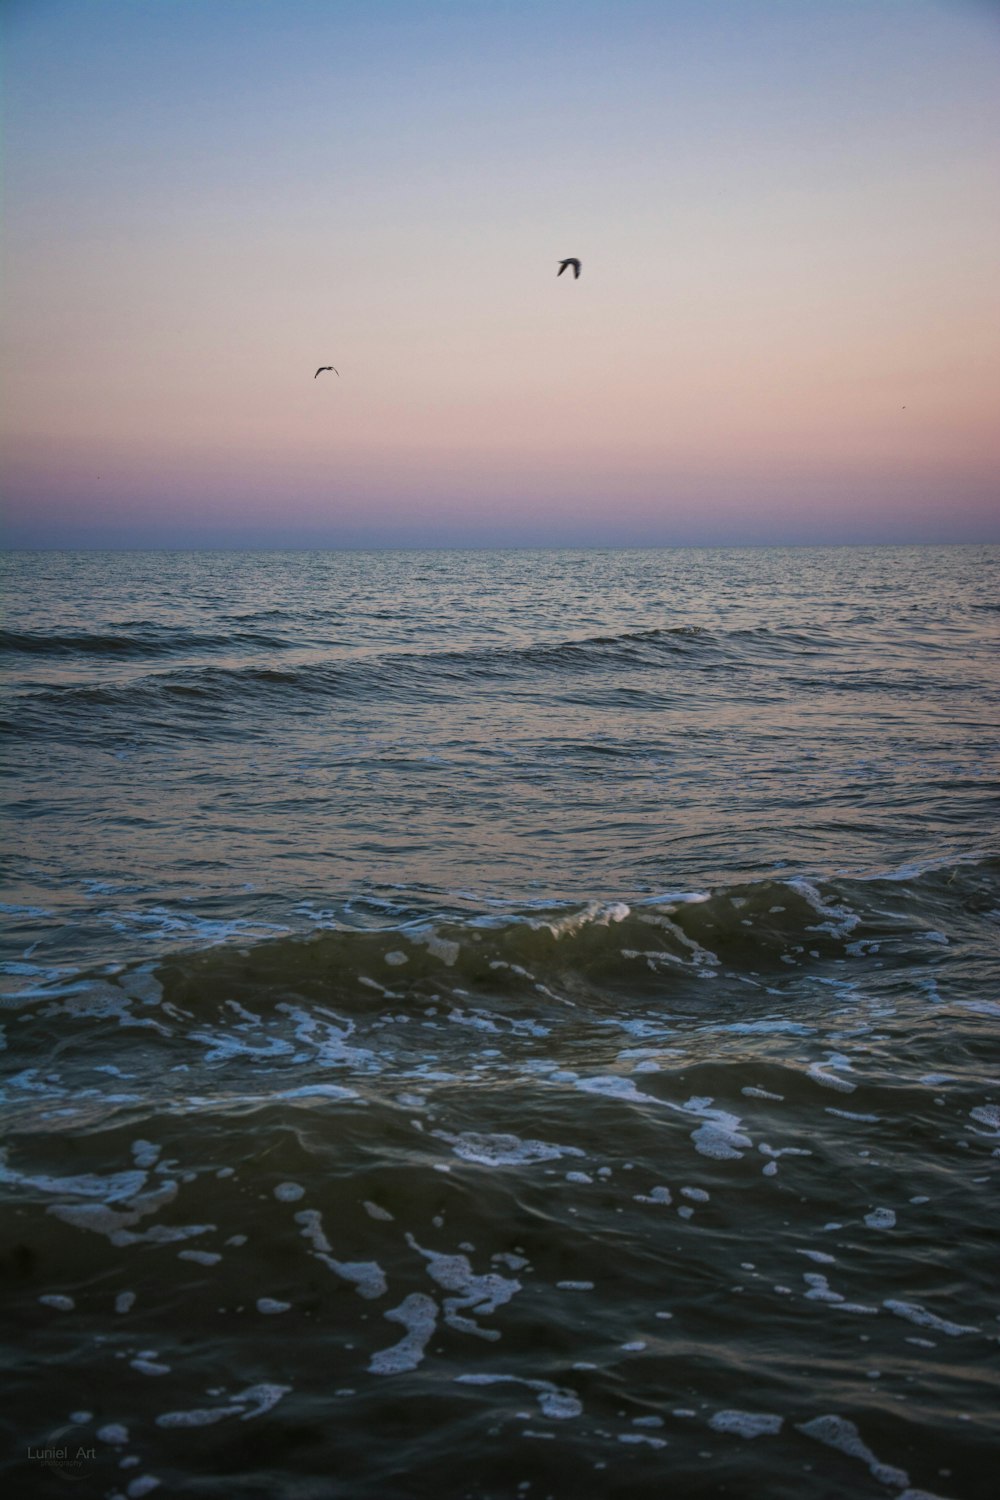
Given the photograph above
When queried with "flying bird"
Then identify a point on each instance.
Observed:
(570, 262)
(325, 367)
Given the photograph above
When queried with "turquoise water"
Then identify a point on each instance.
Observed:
(502, 1024)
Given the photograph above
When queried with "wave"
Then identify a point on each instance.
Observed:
(214, 687)
(139, 639)
(694, 949)
(627, 668)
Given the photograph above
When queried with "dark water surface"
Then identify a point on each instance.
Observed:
(508, 1024)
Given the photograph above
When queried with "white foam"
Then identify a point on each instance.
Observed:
(503, 1150)
(831, 1080)
(289, 1192)
(914, 1313)
(745, 1424)
(253, 1402)
(614, 1087)
(268, 1305)
(987, 1114)
(837, 1432)
(839, 921)
(721, 1136)
(375, 1212)
(641, 1437)
(848, 1114)
(481, 1294)
(755, 1093)
(819, 1288)
(223, 1046)
(655, 1195)
(328, 1035)
(117, 1186)
(697, 1195)
(575, 1286)
(555, 1401)
(205, 1416)
(201, 1257)
(113, 1433)
(418, 1315)
(114, 1223)
(149, 1367)
(58, 1302)
(367, 1275)
(778, 1151)
(881, 1218)
(144, 1485)
(474, 1019)
(819, 1256)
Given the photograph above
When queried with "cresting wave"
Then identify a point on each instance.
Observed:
(685, 947)
(592, 954)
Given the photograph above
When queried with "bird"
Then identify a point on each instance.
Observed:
(325, 367)
(569, 262)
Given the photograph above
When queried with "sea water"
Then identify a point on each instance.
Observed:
(502, 1024)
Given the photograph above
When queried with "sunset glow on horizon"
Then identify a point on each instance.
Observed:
(785, 330)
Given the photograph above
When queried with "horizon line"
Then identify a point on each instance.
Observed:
(505, 547)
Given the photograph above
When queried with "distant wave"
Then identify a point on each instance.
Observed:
(138, 640)
(238, 672)
(214, 688)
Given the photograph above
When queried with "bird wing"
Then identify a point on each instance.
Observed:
(562, 266)
(576, 268)
(320, 371)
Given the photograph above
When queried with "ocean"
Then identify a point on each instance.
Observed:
(501, 1025)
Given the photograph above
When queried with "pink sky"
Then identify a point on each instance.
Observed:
(786, 328)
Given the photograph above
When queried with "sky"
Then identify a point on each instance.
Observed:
(786, 330)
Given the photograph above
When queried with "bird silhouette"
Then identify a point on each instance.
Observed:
(570, 262)
(325, 367)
